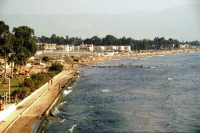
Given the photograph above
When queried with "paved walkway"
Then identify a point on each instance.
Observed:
(13, 113)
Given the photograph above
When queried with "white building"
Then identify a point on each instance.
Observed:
(68, 48)
(112, 48)
(87, 47)
(184, 46)
(46, 47)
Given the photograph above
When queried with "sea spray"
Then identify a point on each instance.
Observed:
(44, 121)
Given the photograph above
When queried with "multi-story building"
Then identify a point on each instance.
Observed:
(92, 48)
(112, 48)
(46, 47)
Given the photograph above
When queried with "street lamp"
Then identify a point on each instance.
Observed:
(9, 88)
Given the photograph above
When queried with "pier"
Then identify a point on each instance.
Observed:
(115, 66)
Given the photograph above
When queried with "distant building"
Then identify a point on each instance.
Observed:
(91, 48)
(112, 48)
(87, 47)
(52, 47)
(184, 46)
(68, 48)
(46, 47)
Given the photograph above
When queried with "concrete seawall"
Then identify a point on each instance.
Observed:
(39, 126)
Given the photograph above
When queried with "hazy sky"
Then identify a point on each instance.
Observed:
(87, 6)
(169, 26)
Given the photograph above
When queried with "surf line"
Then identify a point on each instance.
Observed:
(42, 123)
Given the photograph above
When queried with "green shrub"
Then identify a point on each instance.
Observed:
(29, 83)
(68, 59)
(52, 73)
(21, 92)
(46, 59)
(56, 67)
(36, 81)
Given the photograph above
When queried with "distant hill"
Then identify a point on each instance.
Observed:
(182, 23)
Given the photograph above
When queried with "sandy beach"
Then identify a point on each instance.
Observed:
(31, 111)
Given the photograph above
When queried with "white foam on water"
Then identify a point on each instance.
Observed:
(69, 88)
(106, 90)
(66, 92)
(72, 129)
(170, 78)
(62, 120)
(62, 103)
(56, 111)
(143, 58)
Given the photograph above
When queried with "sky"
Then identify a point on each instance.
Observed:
(48, 7)
(189, 30)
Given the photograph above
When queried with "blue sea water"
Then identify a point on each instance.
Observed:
(165, 98)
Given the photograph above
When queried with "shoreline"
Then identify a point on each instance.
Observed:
(35, 113)
(39, 128)
(40, 124)
(31, 111)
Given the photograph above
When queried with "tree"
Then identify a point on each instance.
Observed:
(43, 39)
(73, 40)
(53, 38)
(56, 67)
(145, 44)
(137, 45)
(24, 44)
(129, 41)
(11, 59)
(123, 40)
(176, 44)
(36, 39)
(87, 41)
(96, 40)
(5, 43)
(110, 40)
(46, 59)
(61, 40)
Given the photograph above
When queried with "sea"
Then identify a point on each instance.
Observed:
(140, 94)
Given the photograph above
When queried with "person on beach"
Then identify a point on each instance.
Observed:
(16, 99)
(1, 102)
(4, 98)
(51, 81)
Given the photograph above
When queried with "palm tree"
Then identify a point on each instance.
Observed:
(12, 59)
(5, 43)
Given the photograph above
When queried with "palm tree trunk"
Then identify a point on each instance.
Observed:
(5, 69)
(11, 73)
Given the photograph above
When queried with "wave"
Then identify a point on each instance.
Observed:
(106, 90)
(55, 111)
(170, 78)
(62, 120)
(60, 104)
(72, 128)
(66, 92)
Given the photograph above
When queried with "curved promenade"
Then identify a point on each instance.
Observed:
(31, 109)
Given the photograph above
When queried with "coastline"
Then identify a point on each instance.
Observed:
(41, 124)
(31, 111)
(28, 117)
